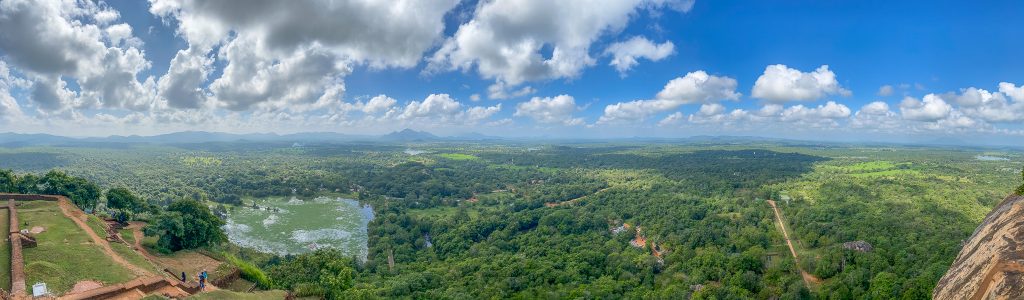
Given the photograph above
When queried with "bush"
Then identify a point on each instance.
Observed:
(249, 271)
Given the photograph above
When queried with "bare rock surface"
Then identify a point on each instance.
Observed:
(991, 263)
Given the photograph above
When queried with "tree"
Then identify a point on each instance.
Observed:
(82, 193)
(1020, 189)
(187, 224)
(8, 182)
(883, 286)
(123, 199)
(326, 271)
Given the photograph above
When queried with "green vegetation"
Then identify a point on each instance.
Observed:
(548, 221)
(249, 271)
(458, 156)
(65, 254)
(1020, 189)
(320, 273)
(186, 224)
(5, 250)
(231, 295)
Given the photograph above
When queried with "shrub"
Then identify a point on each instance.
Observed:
(249, 271)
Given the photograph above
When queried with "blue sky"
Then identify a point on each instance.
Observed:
(895, 71)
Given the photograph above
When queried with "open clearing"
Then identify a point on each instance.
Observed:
(65, 253)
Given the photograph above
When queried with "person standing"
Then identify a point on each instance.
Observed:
(202, 281)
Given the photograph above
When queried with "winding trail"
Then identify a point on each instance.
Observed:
(808, 278)
(77, 216)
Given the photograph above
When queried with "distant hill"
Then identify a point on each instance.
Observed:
(409, 135)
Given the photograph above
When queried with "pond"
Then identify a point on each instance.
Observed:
(293, 226)
(991, 158)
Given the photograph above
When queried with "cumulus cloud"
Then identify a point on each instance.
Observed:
(931, 108)
(550, 110)
(9, 108)
(823, 114)
(625, 54)
(1012, 90)
(291, 55)
(990, 106)
(780, 83)
(442, 109)
(695, 87)
(507, 40)
(182, 86)
(875, 116)
(49, 40)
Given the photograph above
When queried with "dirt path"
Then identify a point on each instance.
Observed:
(808, 278)
(136, 228)
(77, 216)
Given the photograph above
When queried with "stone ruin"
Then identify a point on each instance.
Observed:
(860, 246)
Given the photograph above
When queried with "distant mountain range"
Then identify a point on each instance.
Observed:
(11, 139)
(409, 135)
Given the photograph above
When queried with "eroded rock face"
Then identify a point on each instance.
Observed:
(991, 263)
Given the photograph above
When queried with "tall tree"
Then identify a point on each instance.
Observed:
(187, 224)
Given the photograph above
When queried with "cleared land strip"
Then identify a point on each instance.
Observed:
(808, 278)
(75, 215)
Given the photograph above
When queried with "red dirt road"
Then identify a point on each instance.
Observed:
(808, 278)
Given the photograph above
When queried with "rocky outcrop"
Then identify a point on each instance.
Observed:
(991, 263)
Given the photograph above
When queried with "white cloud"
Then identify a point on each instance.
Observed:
(1013, 91)
(671, 120)
(989, 106)
(827, 113)
(695, 87)
(442, 109)
(253, 79)
(625, 54)
(932, 108)
(434, 106)
(699, 87)
(885, 90)
(182, 86)
(876, 116)
(550, 110)
(506, 39)
(479, 113)
(780, 83)
(51, 42)
(379, 105)
(500, 91)
(292, 55)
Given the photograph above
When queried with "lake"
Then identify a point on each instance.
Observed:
(991, 158)
(294, 225)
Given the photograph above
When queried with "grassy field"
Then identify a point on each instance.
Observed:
(458, 156)
(134, 257)
(226, 294)
(97, 225)
(5, 251)
(65, 254)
